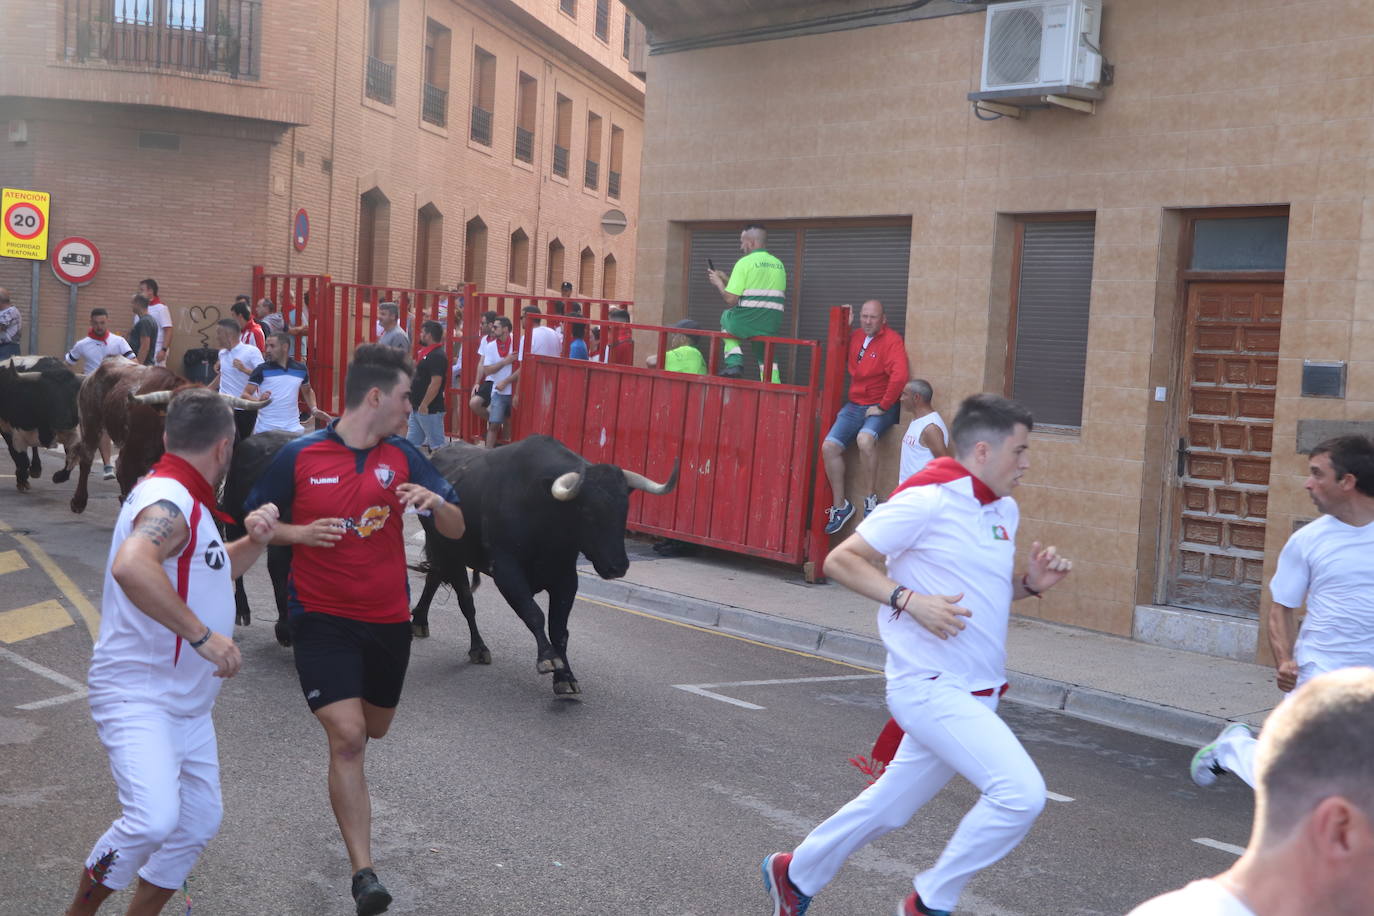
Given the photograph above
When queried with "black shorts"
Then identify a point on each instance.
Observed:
(338, 659)
(484, 391)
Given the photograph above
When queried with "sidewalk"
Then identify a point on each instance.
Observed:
(1166, 693)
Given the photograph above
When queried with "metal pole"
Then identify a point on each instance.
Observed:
(33, 306)
(71, 312)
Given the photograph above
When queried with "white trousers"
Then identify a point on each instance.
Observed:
(948, 731)
(166, 769)
(1236, 751)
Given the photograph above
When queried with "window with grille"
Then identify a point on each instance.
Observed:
(483, 95)
(434, 98)
(592, 176)
(617, 162)
(526, 107)
(562, 135)
(380, 78)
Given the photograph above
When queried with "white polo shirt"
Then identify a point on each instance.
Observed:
(491, 355)
(163, 316)
(284, 383)
(915, 455)
(1330, 565)
(137, 659)
(89, 352)
(938, 540)
(232, 381)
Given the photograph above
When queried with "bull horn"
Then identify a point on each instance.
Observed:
(640, 482)
(565, 486)
(242, 403)
(152, 398)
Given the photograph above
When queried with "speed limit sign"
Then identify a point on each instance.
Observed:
(24, 224)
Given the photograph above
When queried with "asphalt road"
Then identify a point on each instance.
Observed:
(491, 796)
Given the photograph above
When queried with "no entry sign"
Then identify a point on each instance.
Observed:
(24, 224)
(75, 261)
(300, 229)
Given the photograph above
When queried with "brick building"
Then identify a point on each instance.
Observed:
(1157, 267)
(430, 143)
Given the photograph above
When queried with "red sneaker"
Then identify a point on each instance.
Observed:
(787, 900)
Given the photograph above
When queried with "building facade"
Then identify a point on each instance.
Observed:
(1178, 279)
(420, 143)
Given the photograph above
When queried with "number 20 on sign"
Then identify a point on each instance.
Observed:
(24, 224)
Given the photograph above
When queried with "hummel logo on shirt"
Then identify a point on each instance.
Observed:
(334, 479)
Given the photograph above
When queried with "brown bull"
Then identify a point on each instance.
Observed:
(128, 401)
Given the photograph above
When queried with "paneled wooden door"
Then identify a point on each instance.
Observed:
(1225, 440)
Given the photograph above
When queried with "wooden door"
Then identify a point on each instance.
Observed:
(1226, 436)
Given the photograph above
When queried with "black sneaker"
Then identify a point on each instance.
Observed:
(369, 894)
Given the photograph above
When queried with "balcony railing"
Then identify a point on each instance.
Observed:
(435, 106)
(524, 144)
(381, 80)
(560, 160)
(613, 183)
(592, 169)
(481, 126)
(168, 35)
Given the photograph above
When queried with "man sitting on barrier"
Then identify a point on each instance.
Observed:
(877, 373)
(756, 291)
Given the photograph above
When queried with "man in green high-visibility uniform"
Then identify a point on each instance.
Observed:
(756, 292)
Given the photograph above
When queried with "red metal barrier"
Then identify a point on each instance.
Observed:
(300, 300)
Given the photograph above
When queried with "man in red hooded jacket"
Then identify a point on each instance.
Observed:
(877, 371)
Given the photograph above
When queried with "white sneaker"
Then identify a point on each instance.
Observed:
(1205, 769)
(109, 472)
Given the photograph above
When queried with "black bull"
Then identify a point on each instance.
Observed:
(530, 508)
(37, 408)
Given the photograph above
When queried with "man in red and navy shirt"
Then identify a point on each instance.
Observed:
(342, 492)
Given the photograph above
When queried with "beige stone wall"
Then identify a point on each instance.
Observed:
(1243, 103)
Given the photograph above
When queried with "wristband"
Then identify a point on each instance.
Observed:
(1025, 583)
(896, 594)
(204, 639)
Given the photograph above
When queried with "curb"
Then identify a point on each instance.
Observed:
(1167, 723)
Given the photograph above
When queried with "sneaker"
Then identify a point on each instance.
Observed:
(109, 472)
(368, 893)
(836, 516)
(787, 900)
(912, 906)
(870, 503)
(1205, 769)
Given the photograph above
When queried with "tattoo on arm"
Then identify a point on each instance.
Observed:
(157, 523)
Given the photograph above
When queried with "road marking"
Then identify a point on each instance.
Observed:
(1218, 844)
(1055, 796)
(12, 561)
(703, 692)
(77, 690)
(68, 588)
(35, 620)
(708, 690)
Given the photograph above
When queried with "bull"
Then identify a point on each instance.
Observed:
(128, 400)
(37, 408)
(530, 508)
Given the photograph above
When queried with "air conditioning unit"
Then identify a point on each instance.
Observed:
(1034, 48)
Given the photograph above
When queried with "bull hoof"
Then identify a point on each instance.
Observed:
(419, 630)
(480, 656)
(22, 486)
(283, 634)
(566, 688)
(35, 472)
(549, 665)
(78, 507)
(61, 476)
(243, 619)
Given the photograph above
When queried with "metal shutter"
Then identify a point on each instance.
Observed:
(851, 265)
(1052, 296)
(704, 304)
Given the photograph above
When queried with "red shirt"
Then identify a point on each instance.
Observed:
(877, 377)
(252, 334)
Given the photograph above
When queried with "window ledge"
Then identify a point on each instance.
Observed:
(482, 148)
(370, 102)
(1057, 432)
(522, 164)
(433, 128)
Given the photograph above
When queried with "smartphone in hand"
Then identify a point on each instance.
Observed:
(711, 264)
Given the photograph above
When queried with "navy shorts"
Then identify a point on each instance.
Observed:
(851, 420)
(338, 658)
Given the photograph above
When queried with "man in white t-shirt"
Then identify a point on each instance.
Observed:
(282, 382)
(90, 351)
(166, 616)
(539, 339)
(1329, 564)
(1312, 844)
(948, 536)
(491, 397)
(160, 314)
(237, 360)
(927, 438)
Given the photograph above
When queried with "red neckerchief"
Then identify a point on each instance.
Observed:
(156, 300)
(422, 352)
(102, 336)
(509, 340)
(947, 470)
(174, 467)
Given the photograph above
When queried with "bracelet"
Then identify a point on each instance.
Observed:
(1025, 583)
(896, 594)
(204, 639)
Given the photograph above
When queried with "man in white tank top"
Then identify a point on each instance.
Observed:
(927, 438)
(158, 661)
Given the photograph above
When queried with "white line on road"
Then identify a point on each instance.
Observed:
(1055, 796)
(708, 690)
(1218, 844)
(77, 690)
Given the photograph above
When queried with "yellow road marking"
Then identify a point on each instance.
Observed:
(11, 561)
(68, 588)
(713, 632)
(35, 620)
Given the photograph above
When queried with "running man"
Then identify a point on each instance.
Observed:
(1329, 563)
(351, 643)
(284, 383)
(949, 538)
(100, 342)
(165, 617)
(756, 293)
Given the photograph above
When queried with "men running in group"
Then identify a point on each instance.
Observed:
(927, 438)
(236, 363)
(1329, 565)
(285, 382)
(948, 536)
(90, 351)
(342, 492)
(756, 293)
(166, 615)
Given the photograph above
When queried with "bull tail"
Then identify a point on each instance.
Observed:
(476, 580)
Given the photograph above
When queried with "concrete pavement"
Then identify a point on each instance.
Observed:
(1164, 693)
